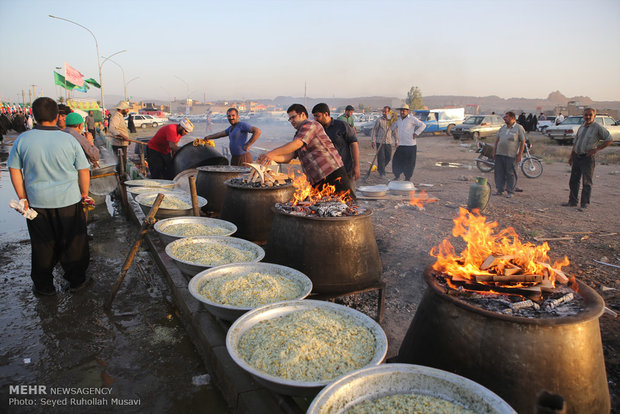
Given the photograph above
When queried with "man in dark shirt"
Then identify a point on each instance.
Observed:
(344, 139)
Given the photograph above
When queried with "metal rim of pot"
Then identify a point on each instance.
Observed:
(224, 169)
(250, 187)
(594, 305)
(364, 214)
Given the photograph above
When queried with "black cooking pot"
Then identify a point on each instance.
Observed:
(190, 156)
(515, 357)
(250, 208)
(339, 254)
(210, 184)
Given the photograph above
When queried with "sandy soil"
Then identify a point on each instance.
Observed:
(406, 235)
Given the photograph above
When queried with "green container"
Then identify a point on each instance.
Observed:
(479, 193)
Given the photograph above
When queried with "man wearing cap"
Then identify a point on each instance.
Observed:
(162, 147)
(238, 137)
(75, 124)
(348, 116)
(406, 129)
(120, 133)
(344, 139)
(49, 173)
(319, 158)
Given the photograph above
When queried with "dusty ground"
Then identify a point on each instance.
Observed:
(405, 236)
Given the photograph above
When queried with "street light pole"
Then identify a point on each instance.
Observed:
(98, 58)
(123, 72)
(128, 82)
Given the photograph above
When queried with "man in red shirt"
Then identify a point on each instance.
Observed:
(162, 147)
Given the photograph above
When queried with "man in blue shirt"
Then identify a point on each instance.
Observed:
(49, 171)
(238, 136)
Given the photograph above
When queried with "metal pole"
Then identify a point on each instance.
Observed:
(98, 57)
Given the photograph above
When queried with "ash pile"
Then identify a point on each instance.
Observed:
(325, 207)
(559, 302)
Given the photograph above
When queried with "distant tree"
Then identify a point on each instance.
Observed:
(414, 98)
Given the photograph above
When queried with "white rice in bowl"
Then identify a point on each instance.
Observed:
(212, 254)
(250, 289)
(308, 345)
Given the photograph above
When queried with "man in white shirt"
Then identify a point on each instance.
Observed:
(405, 131)
(559, 119)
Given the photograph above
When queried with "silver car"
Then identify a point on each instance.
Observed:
(478, 126)
(565, 132)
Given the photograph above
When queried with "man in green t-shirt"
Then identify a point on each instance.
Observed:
(348, 116)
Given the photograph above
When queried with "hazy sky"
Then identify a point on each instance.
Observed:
(262, 49)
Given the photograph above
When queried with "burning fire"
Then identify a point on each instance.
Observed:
(304, 192)
(419, 199)
(495, 257)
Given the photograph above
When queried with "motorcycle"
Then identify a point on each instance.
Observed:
(530, 165)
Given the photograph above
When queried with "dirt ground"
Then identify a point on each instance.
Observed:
(406, 235)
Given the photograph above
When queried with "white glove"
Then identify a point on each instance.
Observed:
(20, 207)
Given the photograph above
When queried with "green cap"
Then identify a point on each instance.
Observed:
(74, 119)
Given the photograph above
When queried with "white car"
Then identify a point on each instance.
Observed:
(545, 123)
(565, 132)
(143, 121)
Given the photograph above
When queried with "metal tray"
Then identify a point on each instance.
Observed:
(191, 269)
(160, 226)
(286, 386)
(389, 379)
(150, 182)
(373, 190)
(163, 213)
(229, 312)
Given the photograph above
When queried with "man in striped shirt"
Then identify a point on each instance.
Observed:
(319, 158)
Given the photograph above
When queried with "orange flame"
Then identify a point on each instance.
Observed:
(419, 199)
(306, 193)
(482, 242)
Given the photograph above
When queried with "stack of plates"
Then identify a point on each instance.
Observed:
(401, 187)
(373, 190)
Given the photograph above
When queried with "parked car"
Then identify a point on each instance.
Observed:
(143, 121)
(478, 126)
(565, 132)
(545, 123)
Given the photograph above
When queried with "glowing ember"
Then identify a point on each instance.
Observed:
(323, 202)
(419, 199)
(495, 258)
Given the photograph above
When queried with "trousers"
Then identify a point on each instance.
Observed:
(581, 170)
(58, 234)
(404, 161)
(505, 173)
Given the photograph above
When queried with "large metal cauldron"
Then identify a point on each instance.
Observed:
(250, 208)
(190, 156)
(513, 356)
(339, 254)
(210, 183)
